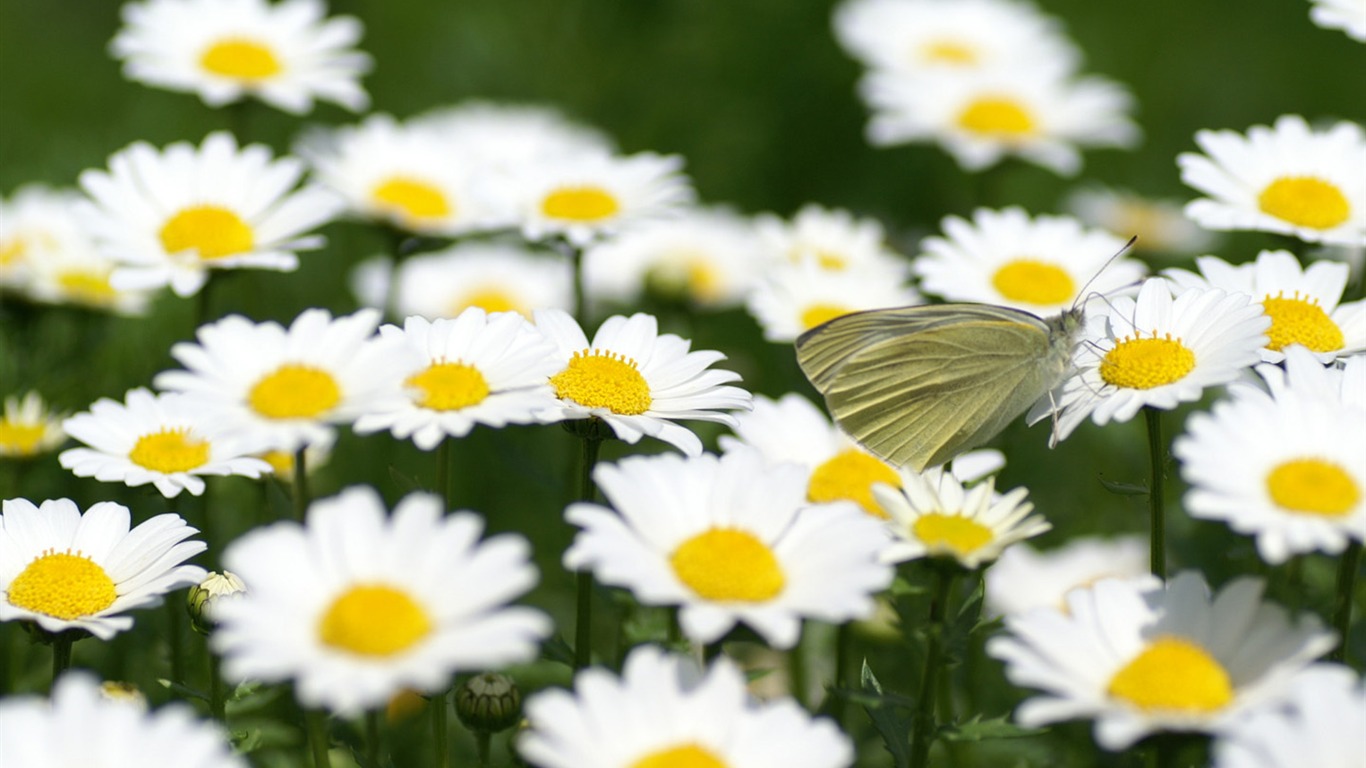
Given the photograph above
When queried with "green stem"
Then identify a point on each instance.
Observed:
(924, 723)
(583, 621)
(443, 473)
(61, 654)
(372, 739)
(440, 729)
(1342, 608)
(217, 698)
(315, 720)
(175, 630)
(796, 670)
(1157, 458)
(580, 302)
(203, 304)
(300, 484)
(843, 642)
(481, 743)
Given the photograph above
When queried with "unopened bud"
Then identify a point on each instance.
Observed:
(488, 703)
(204, 596)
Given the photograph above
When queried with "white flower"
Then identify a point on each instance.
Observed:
(282, 388)
(834, 239)
(638, 380)
(355, 605)
(1140, 657)
(729, 540)
(590, 196)
(1346, 15)
(1036, 264)
(1288, 178)
(285, 54)
(28, 428)
(1159, 225)
(1024, 578)
(1156, 351)
(66, 570)
(113, 733)
(1320, 725)
(794, 298)
(170, 216)
(663, 711)
(475, 369)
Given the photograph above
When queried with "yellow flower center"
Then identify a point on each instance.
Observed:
(212, 231)
(585, 203)
(596, 378)
(12, 251)
(850, 475)
(1173, 674)
(685, 756)
(63, 585)
(1300, 320)
(19, 439)
(374, 620)
(998, 117)
(169, 451)
(817, 314)
(949, 51)
(294, 392)
(955, 534)
(1313, 487)
(728, 565)
(1139, 363)
(87, 286)
(1305, 201)
(490, 298)
(411, 199)
(240, 58)
(833, 261)
(449, 386)
(1031, 281)
(281, 462)
(687, 275)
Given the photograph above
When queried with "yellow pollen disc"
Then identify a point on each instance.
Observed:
(816, 314)
(449, 386)
(948, 51)
(1300, 320)
(1173, 674)
(87, 286)
(998, 117)
(63, 585)
(294, 392)
(240, 58)
(832, 260)
(281, 462)
(1305, 201)
(686, 756)
(850, 475)
(212, 231)
(411, 199)
(580, 204)
(1030, 281)
(490, 298)
(956, 534)
(728, 565)
(169, 451)
(374, 620)
(596, 378)
(1139, 363)
(18, 439)
(1313, 487)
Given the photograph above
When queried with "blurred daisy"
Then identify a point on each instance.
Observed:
(157, 439)
(1140, 657)
(834, 239)
(28, 428)
(664, 711)
(1158, 351)
(794, 298)
(283, 388)
(1288, 178)
(80, 275)
(1280, 466)
(493, 276)
(284, 463)
(1346, 15)
(1320, 724)
(1160, 225)
(932, 514)
(475, 369)
(730, 540)
(1024, 578)
(65, 570)
(114, 733)
(170, 216)
(355, 605)
(637, 380)
(285, 54)
(1302, 303)
(590, 196)
(1039, 264)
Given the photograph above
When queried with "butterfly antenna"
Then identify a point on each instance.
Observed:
(1083, 295)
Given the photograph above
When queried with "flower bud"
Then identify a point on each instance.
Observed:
(488, 703)
(202, 597)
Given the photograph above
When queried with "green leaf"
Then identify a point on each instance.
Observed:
(894, 729)
(556, 649)
(978, 729)
(404, 482)
(902, 587)
(1124, 489)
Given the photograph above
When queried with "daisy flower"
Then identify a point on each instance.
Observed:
(932, 514)
(1141, 657)
(285, 54)
(28, 428)
(1320, 725)
(67, 570)
(729, 540)
(794, 298)
(1158, 351)
(637, 380)
(1280, 466)
(356, 605)
(157, 439)
(475, 369)
(283, 463)
(1160, 226)
(1346, 15)
(512, 137)
(834, 239)
(1288, 178)
(590, 196)
(1036, 264)
(170, 216)
(114, 733)
(664, 711)
(283, 388)
(1024, 578)
(1302, 303)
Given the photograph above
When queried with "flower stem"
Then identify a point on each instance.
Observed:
(796, 670)
(924, 724)
(372, 739)
(315, 720)
(300, 484)
(481, 743)
(217, 700)
(843, 641)
(440, 729)
(1342, 609)
(583, 622)
(61, 654)
(1157, 458)
(443, 473)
